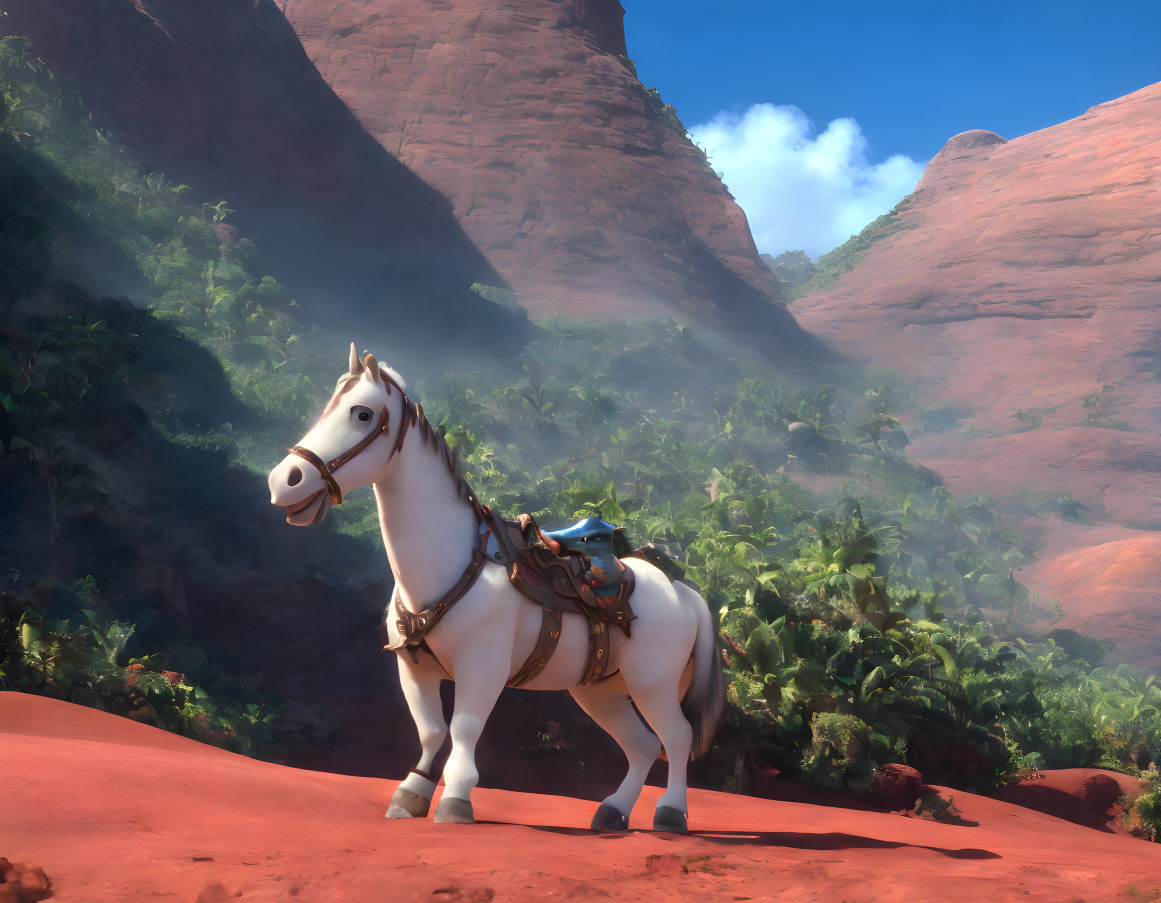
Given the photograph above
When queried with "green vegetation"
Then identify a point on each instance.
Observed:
(66, 643)
(117, 421)
(842, 259)
(1147, 811)
(1096, 413)
(1030, 416)
(661, 110)
(875, 620)
(840, 753)
(932, 804)
(867, 615)
(790, 267)
(497, 295)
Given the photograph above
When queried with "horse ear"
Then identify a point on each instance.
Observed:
(372, 366)
(356, 364)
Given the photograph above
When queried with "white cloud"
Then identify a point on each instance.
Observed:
(800, 189)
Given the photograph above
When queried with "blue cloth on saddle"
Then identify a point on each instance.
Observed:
(592, 529)
(593, 538)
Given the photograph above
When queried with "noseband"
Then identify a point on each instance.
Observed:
(327, 469)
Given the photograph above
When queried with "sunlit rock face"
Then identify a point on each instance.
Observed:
(526, 115)
(1022, 283)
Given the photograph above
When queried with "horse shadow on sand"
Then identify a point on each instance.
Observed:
(831, 840)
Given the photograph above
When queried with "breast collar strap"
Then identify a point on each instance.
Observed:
(327, 469)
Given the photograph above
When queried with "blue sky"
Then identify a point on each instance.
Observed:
(822, 113)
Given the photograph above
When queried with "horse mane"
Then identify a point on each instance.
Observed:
(433, 440)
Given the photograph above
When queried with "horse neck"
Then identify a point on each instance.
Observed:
(429, 528)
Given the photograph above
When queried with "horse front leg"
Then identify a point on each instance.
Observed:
(480, 674)
(420, 684)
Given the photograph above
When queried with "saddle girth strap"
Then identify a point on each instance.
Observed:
(598, 662)
(545, 644)
(414, 626)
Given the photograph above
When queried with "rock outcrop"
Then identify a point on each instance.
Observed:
(1021, 284)
(790, 267)
(1085, 796)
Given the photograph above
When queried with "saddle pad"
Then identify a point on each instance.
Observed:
(534, 566)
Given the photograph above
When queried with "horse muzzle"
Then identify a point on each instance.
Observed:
(300, 491)
(311, 510)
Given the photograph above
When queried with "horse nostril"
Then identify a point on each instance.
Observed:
(294, 477)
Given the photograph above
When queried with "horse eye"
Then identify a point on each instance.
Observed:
(364, 415)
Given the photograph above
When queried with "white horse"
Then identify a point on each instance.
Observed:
(669, 668)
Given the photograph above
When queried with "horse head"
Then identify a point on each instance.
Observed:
(360, 430)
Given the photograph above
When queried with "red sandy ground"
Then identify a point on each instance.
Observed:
(116, 811)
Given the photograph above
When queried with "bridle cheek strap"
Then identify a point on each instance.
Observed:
(324, 471)
(327, 469)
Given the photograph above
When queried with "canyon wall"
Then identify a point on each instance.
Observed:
(219, 94)
(1019, 288)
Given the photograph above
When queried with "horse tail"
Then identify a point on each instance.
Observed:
(706, 697)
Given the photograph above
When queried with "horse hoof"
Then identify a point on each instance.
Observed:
(609, 820)
(408, 804)
(669, 820)
(455, 812)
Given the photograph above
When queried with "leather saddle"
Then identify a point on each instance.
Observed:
(594, 538)
(552, 570)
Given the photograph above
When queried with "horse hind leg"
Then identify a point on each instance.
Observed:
(420, 684)
(613, 711)
(661, 707)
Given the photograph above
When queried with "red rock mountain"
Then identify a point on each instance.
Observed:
(504, 142)
(1021, 284)
(526, 115)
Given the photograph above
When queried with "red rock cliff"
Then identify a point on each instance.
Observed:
(1025, 276)
(526, 116)
(220, 95)
(494, 142)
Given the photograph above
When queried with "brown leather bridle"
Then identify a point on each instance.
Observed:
(327, 469)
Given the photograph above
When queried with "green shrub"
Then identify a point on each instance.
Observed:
(932, 804)
(839, 753)
(497, 295)
(80, 656)
(1147, 808)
